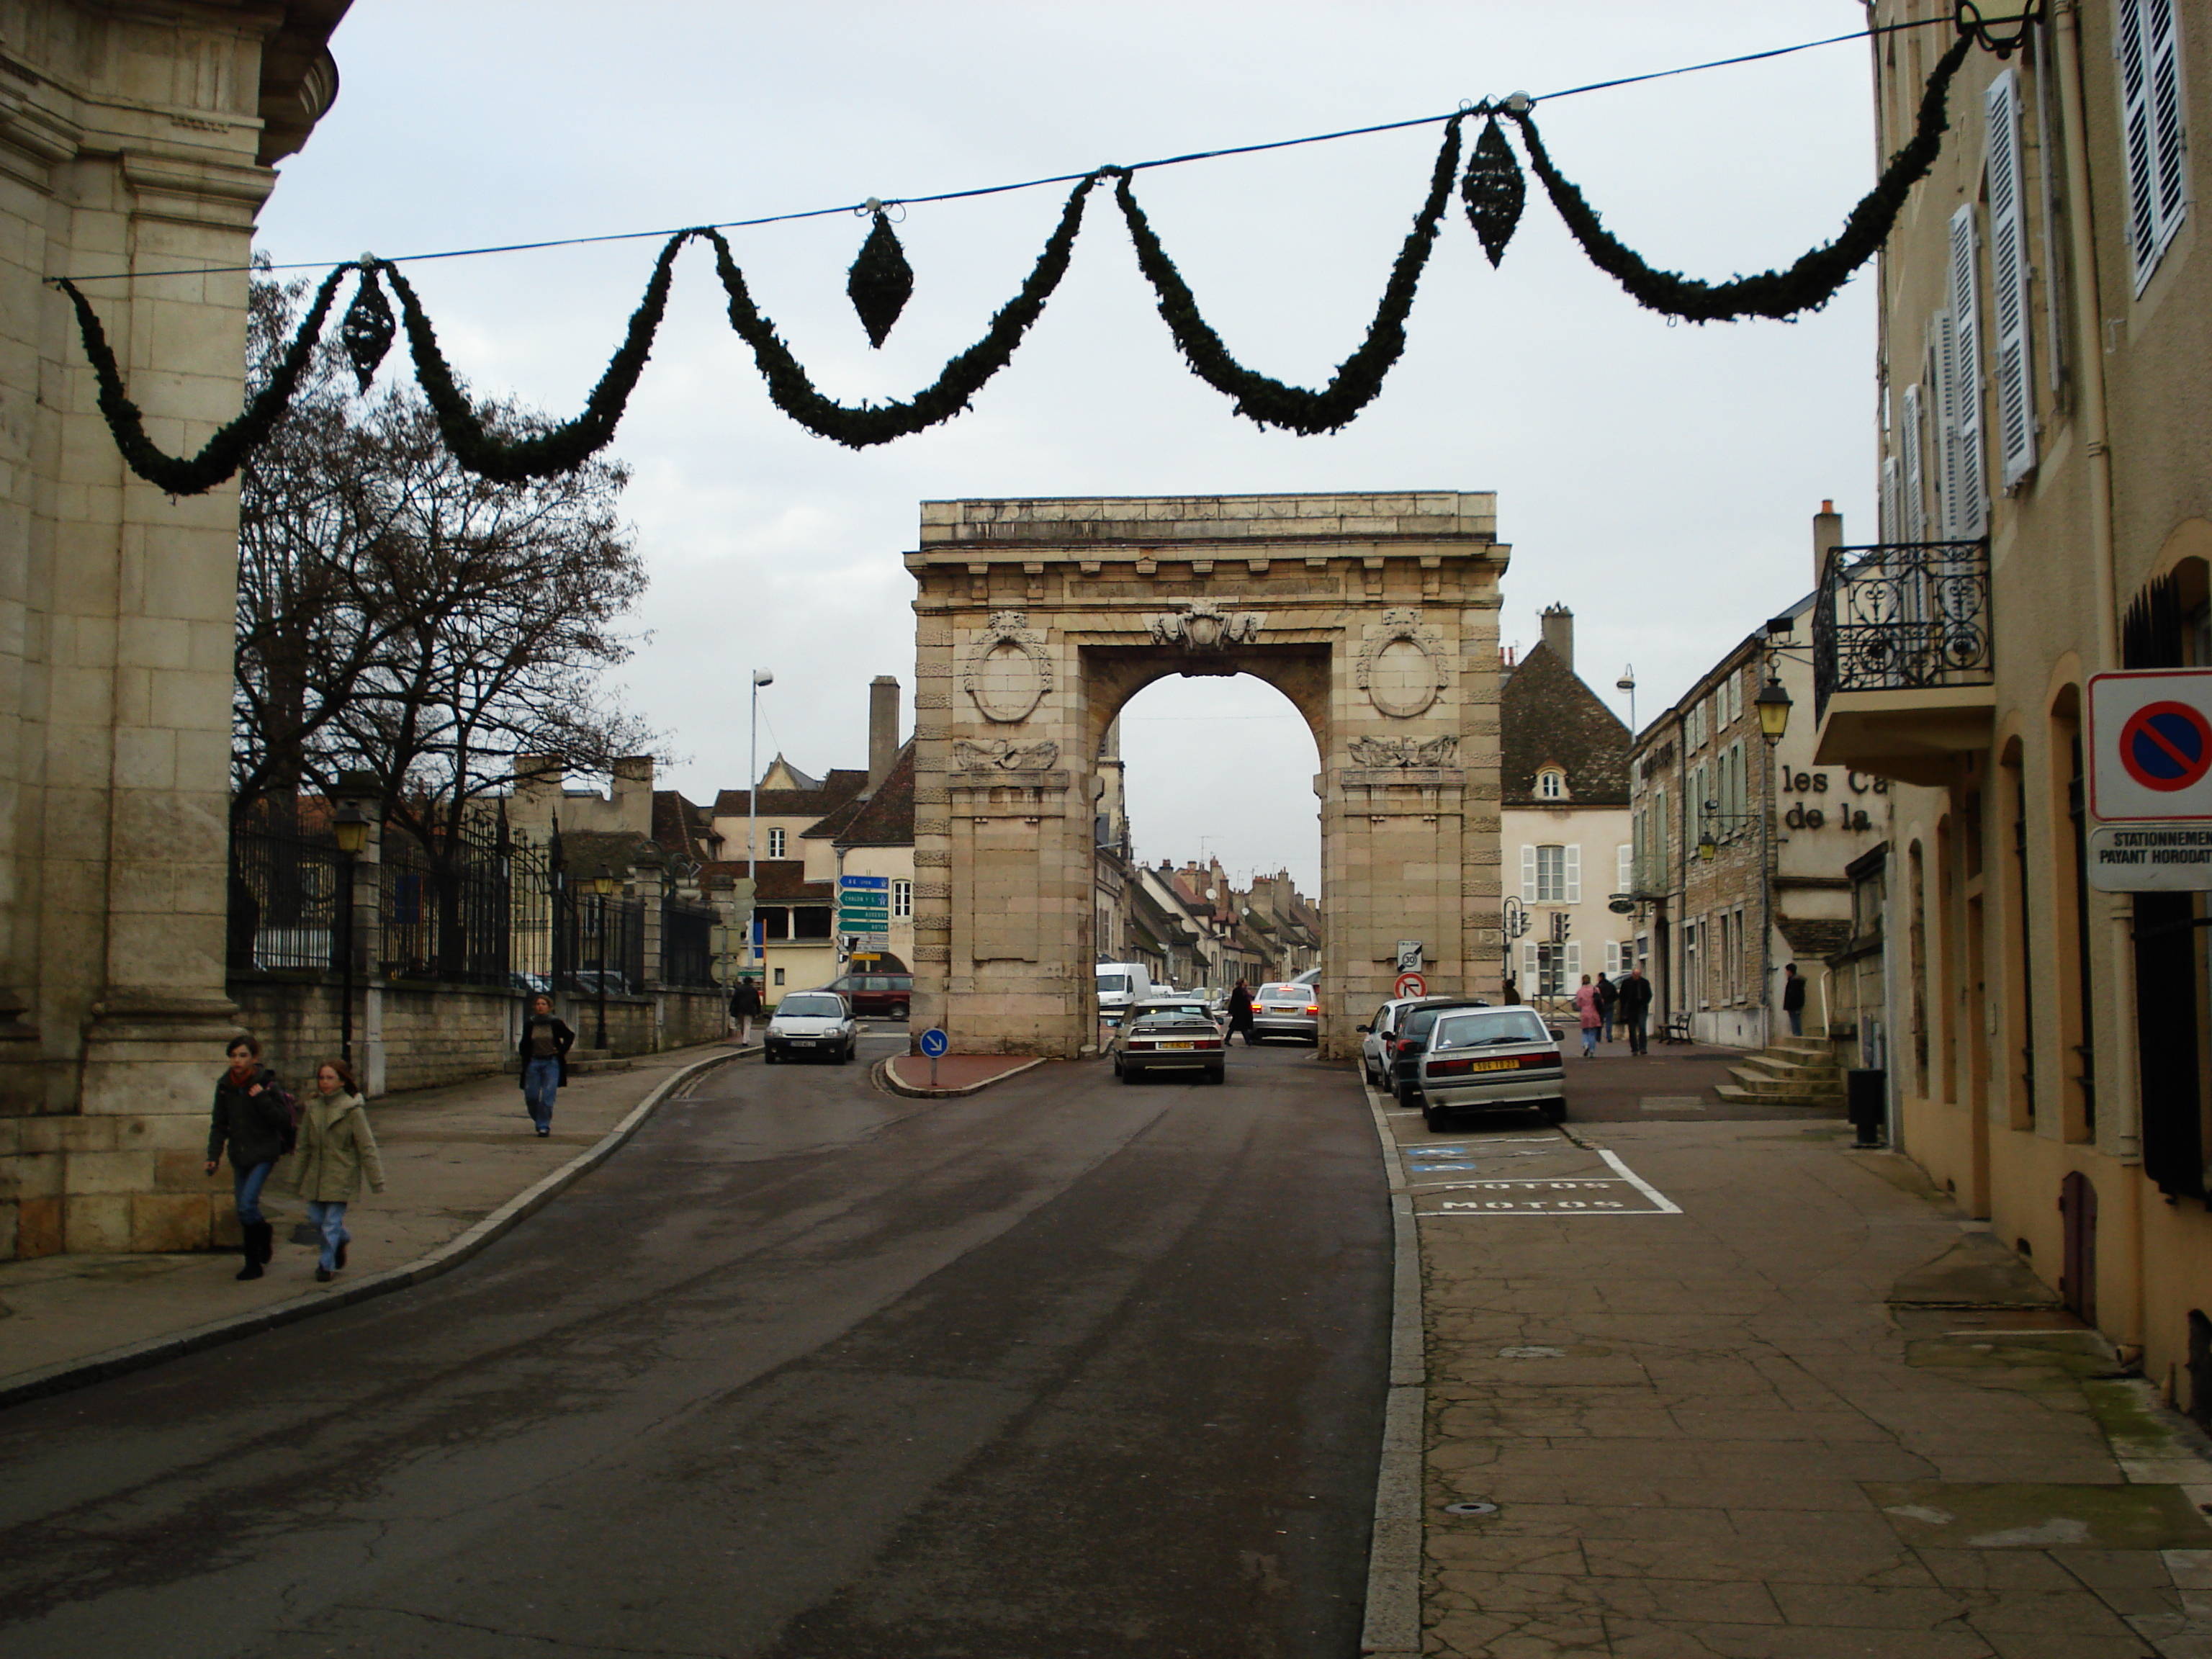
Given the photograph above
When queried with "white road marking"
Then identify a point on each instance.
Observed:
(1666, 1205)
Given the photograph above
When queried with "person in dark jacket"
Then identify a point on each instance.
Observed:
(546, 1040)
(1634, 1004)
(1240, 1016)
(744, 1007)
(1793, 1000)
(1608, 1000)
(251, 1121)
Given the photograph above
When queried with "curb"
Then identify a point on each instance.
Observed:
(1393, 1623)
(138, 1356)
(889, 1079)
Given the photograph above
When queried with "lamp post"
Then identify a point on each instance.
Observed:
(1772, 703)
(1627, 683)
(603, 885)
(349, 827)
(761, 676)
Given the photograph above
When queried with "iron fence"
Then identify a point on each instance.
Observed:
(1902, 616)
(597, 943)
(448, 909)
(284, 899)
(687, 942)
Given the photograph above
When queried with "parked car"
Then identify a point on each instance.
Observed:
(1284, 1010)
(1411, 1039)
(1169, 1040)
(1311, 977)
(812, 1023)
(879, 996)
(1120, 985)
(1488, 1060)
(1375, 1039)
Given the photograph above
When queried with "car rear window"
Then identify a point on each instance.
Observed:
(1174, 1019)
(1113, 982)
(1481, 1026)
(1419, 1020)
(811, 1005)
(1284, 993)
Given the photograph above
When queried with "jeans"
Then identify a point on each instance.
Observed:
(331, 1217)
(247, 1184)
(1590, 1042)
(1797, 1021)
(540, 1081)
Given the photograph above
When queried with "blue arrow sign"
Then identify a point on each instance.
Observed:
(935, 1041)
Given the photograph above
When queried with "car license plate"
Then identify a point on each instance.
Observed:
(1175, 1045)
(1495, 1066)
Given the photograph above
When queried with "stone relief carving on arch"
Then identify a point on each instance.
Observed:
(1203, 625)
(1401, 666)
(1007, 669)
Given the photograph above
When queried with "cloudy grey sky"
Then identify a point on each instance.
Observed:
(1658, 480)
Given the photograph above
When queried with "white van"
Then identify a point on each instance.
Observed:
(1119, 984)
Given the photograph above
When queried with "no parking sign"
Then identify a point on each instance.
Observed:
(2150, 743)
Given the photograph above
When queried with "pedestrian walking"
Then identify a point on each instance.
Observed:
(546, 1040)
(1793, 1000)
(1586, 1005)
(1240, 1016)
(1609, 997)
(745, 1008)
(252, 1122)
(337, 1150)
(1512, 992)
(1635, 1009)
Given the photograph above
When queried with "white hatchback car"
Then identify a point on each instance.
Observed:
(1375, 1039)
(812, 1023)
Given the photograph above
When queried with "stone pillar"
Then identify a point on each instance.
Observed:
(134, 142)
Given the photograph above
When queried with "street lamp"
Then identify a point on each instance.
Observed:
(1773, 705)
(1627, 683)
(604, 885)
(761, 676)
(349, 827)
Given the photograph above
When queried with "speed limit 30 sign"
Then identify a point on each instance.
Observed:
(2150, 745)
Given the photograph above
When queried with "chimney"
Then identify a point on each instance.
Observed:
(633, 794)
(1827, 532)
(883, 728)
(1559, 634)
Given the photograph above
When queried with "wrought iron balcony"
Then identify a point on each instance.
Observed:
(1902, 617)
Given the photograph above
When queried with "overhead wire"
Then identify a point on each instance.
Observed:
(1869, 32)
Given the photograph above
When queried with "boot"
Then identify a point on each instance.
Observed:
(251, 1249)
(268, 1241)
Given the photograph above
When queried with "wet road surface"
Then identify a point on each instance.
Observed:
(1066, 1367)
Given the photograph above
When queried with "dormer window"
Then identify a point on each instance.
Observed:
(1550, 784)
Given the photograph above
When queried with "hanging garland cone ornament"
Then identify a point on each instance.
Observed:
(881, 282)
(369, 327)
(1494, 190)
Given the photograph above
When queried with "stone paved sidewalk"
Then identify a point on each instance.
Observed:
(452, 1157)
(1767, 1427)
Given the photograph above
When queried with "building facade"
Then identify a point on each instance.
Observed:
(2046, 514)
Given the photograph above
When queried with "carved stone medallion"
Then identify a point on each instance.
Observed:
(1401, 666)
(1007, 669)
(1404, 751)
(998, 756)
(1203, 625)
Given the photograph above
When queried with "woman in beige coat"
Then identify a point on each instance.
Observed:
(336, 1150)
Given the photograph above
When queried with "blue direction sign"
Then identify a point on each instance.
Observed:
(881, 883)
(935, 1041)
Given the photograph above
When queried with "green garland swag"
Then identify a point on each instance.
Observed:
(224, 452)
(1358, 379)
(1807, 285)
(859, 427)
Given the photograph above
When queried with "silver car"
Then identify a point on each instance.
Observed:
(812, 1023)
(1284, 1010)
(1170, 1040)
(1489, 1060)
(1375, 1039)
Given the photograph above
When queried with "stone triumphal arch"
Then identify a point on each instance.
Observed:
(1376, 614)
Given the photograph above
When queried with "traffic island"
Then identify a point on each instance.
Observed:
(957, 1074)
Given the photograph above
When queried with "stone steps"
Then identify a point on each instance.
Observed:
(1789, 1072)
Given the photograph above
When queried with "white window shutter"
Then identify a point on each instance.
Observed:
(1915, 521)
(1530, 970)
(1625, 859)
(1968, 507)
(2146, 41)
(1574, 873)
(1574, 966)
(1611, 957)
(2011, 374)
(1885, 530)
(1528, 875)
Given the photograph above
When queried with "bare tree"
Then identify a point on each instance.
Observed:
(401, 617)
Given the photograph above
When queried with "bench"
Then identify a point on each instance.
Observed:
(1675, 1028)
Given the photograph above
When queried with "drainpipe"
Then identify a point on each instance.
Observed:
(2119, 1086)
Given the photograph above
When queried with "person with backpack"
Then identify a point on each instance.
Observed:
(252, 1121)
(337, 1149)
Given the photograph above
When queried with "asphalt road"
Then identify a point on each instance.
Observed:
(1064, 1368)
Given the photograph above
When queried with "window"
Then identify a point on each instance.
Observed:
(902, 898)
(779, 976)
(1552, 875)
(1551, 783)
(2147, 40)
(1914, 442)
(1959, 358)
(775, 843)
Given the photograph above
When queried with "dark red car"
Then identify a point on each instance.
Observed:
(882, 996)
